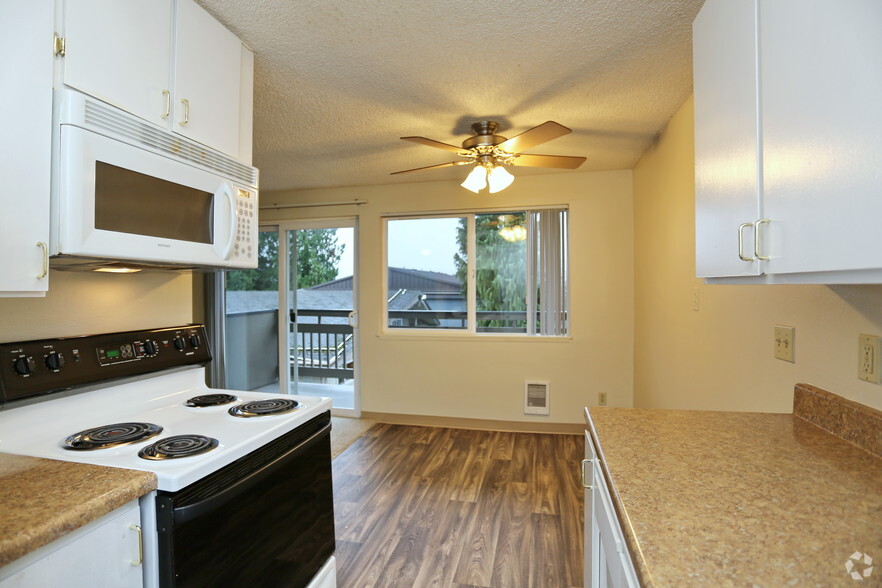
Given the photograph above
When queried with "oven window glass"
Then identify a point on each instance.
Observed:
(130, 202)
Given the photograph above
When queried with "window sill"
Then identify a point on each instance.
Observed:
(470, 337)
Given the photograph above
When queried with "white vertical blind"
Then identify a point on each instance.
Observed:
(550, 245)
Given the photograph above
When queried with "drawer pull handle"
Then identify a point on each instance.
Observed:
(140, 559)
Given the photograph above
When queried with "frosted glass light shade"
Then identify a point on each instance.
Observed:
(499, 179)
(477, 180)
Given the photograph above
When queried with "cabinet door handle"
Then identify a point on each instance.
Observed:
(741, 228)
(590, 464)
(140, 559)
(756, 238)
(167, 112)
(186, 104)
(45, 249)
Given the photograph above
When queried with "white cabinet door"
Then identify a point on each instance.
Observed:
(607, 560)
(592, 544)
(25, 151)
(727, 190)
(822, 133)
(120, 52)
(208, 63)
(105, 553)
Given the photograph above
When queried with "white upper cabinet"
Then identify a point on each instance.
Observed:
(207, 79)
(120, 52)
(25, 161)
(166, 61)
(726, 145)
(788, 141)
(822, 134)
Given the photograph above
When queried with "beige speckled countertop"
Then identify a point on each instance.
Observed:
(739, 499)
(43, 499)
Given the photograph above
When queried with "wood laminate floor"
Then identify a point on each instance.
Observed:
(426, 506)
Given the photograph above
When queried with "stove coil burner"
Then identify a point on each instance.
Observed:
(264, 407)
(210, 400)
(111, 436)
(178, 446)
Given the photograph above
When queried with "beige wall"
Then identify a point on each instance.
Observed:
(479, 377)
(81, 303)
(721, 356)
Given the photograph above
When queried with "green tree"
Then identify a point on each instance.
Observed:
(500, 266)
(317, 257)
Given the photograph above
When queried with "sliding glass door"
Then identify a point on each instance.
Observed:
(291, 324)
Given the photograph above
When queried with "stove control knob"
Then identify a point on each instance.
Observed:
(179, 343)
(54, 361)
(195, 341)
(24, 366)
(150, 347)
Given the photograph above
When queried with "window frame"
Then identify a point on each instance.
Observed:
(470, 332)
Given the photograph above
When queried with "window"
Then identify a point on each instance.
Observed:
(501, 272)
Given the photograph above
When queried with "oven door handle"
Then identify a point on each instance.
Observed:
(193, 511)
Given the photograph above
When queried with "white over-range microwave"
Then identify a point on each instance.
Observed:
(126, 193)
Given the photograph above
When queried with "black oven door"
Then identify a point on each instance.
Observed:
(267, 519)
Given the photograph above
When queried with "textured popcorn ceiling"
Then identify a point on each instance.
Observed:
(337, 82)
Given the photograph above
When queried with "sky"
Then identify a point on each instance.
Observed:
(424, 244)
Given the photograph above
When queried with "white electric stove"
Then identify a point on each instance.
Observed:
(138, 400)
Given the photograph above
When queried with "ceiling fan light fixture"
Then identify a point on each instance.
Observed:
(476, 180)
(499, 179)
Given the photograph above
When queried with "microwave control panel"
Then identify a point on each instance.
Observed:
(245, 241)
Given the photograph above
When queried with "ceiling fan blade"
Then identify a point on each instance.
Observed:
(407, 171)
(532, 137)
(558, 161)
(435, 144)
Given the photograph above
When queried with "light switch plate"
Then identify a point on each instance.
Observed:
(784, 339)
(868, 358)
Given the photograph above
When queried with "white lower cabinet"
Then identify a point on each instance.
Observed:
(607, 560)
(106, 553)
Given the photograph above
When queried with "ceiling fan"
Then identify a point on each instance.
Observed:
(490, 152)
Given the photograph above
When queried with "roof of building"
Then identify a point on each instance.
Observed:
(403, 278)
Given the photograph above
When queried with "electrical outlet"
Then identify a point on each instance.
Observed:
(784, 339)
(696, 299)
(868, 358)
(601, 399)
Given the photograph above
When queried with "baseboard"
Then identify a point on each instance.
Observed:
(477, 424)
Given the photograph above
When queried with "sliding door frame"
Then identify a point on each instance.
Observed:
(285, 287)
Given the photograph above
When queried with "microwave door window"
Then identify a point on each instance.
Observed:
(130, 202)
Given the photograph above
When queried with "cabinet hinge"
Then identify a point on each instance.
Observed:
(59, 45)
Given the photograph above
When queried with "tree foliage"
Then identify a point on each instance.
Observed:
(500, 266)
(317, 257)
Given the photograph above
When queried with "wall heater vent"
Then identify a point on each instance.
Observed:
(536, 398)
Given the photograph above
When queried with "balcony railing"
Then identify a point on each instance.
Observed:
(323, 349)
(489, 321)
